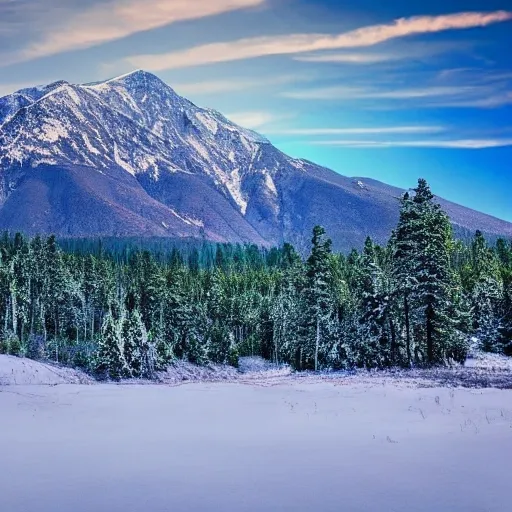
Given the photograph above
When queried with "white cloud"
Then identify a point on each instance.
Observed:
(473, 75)
(494, 100)
(115, 19)
(491, 95)
(446, 144)
(411, 51)
(349, 58)
(235, 84)
(330, 93)
(361, 131)
(301, 43)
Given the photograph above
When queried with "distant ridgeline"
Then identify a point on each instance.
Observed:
(121, 308)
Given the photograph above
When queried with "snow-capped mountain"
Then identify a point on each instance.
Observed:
(129, 156)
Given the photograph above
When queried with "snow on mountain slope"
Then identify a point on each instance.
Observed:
(156, 164)
(135, 122)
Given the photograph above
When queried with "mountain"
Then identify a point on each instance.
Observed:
(130, 157)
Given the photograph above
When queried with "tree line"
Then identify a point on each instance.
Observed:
(419, 300)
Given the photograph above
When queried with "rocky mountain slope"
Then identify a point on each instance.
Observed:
(130, 157)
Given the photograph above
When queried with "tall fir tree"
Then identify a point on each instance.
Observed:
(110, 360)
(403, 249)
(319, 278)
(434, 288)
(375, 339)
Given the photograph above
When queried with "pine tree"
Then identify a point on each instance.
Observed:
(110, 361)
(504, 254)
(375, 338)
(505, 329)
(487, 299)
(434, 286)
(220, 259)
(186, 324)
(288, 307)
(317, 293)
(403, 249)
(131, 345)
(424, 280)
(486, 294)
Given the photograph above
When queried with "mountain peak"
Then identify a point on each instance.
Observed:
(135, 82)
(138, 77)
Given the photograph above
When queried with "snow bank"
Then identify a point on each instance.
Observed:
(256, 364)
(21, 371)
(251, 370)
(182, 371)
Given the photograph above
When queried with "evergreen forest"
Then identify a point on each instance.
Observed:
(420, 300)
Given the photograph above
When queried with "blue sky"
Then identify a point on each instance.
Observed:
(390, 90)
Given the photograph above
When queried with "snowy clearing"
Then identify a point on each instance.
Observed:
(294, 446)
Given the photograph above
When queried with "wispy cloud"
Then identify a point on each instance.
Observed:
(411, 51)
(494, 100)
(79, 28)
(361, 131)
(236, 84)
(446, 144)
(473, 75)
(490, 95)
(454, 143)
(301, 43)
(363, 92)
(349, 58)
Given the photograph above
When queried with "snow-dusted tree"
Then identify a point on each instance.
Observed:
(186, 321)
(110, 361)
(143, 356)
(132, 332)
(403, 249)
(287, 307)
(424, 280)
(375, 343)
(486, 294)
(434, 288)
(319, 303)
(506, 325)
(504, 253)
(146, 288)
(487, 299)
(485, 262)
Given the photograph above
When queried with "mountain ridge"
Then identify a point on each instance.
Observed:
(129, 157)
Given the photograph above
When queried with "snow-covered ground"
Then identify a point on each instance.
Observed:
(481, 371)
(21, 371)
(274, 443)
